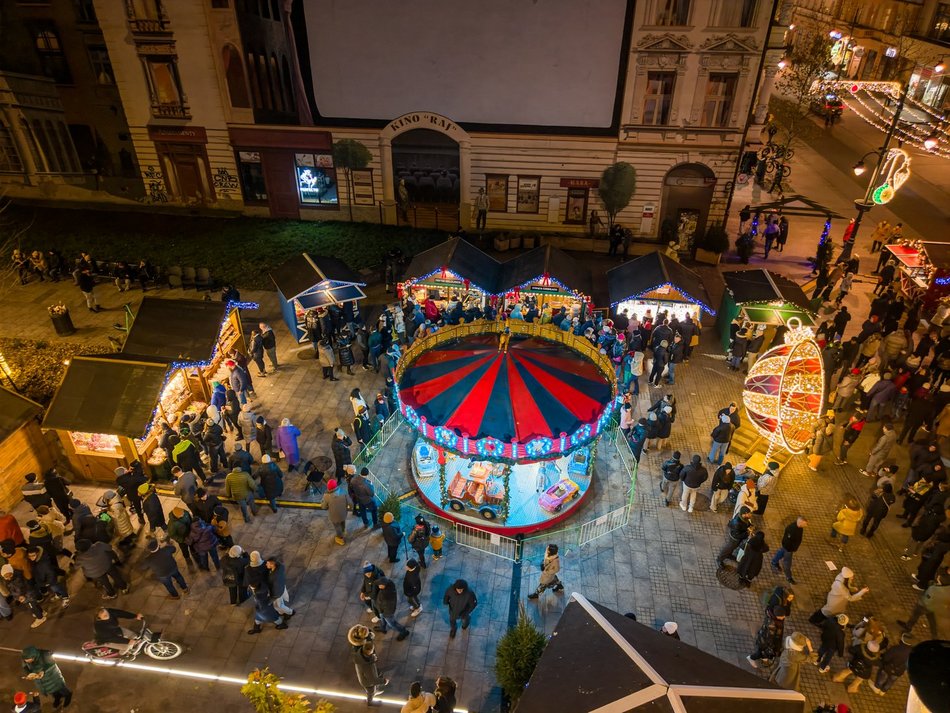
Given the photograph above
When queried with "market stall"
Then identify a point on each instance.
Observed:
(306, 283)
(104, 408)
(657, 283)
(923, 269)
(453, 269)
(761, 298)
(22, 446)
(546, 275)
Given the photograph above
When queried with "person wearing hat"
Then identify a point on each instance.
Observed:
(111, 503)
(934, 603)
(392, 536)
(832, 641)
(796, 651)
(39, 667)
(233, 566)
(765, 486)
(271, 478)
(842, 592)
(23, 703)
(721, 436)
(340, 446)
(240, 487)
(239, 380)
(412, 587)
(152, 507)
(893, 665)
(285, 439)
(334, 502)
(671, 629)
(864, 656)
(367, 588)
(203, 543)
(419, 538)
(160, 561)
(23, 590)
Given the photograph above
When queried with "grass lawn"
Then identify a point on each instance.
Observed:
(237, 250)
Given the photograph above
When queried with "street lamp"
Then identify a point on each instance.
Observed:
(931, 142)
(939, 67)
(782, 63)
(859, 168)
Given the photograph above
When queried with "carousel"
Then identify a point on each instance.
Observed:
(506, 422)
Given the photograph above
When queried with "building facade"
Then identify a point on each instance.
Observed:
(237, 106)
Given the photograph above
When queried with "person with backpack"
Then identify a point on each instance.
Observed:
(204, 543)
(419, 539)
(671, 483)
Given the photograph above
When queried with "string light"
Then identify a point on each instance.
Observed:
(666, 286)
(881, 118)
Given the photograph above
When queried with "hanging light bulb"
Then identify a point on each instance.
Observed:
(931, 141)
(782, 63)
(859, 168)
(939, 67)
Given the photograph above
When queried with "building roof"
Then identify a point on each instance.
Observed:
(938, 254)
(598, 658)
(644, 274)
(303, 272)
(758, 285)
(175, 330)
(113, 394)
(799, 205)
(544, 260)
(15, 410)
(461, 258)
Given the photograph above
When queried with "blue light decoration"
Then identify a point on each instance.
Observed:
(582, 435)
(444, 274)
(411, 416)
(666, 286)
(825, 232)
(942, 281)
(489, 447)
(446, 437)
(539, 447)
(754, 228)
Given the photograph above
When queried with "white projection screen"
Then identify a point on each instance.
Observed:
(525, 62)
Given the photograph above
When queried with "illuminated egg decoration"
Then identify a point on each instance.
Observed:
(785, 388)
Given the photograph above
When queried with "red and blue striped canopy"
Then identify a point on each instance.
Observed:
(538, 389)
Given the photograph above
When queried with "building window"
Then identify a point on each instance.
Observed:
(9, 156)
(288, 84)
(529, 194)
(316, 179)
(234, 73)
(39, 160)
(496, 186)
(576, 212)
(85, 10)
(940, 30)
(168, 99)
(736, 13)
(658, 98)
(672, 13)
(146, 10)
(51, 55)
(101, 64)
(220, 4)
(252, 177)
(720, 92)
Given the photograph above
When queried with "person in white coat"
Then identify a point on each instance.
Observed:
(842, 592)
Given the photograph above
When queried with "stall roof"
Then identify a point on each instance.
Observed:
(797, 204)
(598, 659)
(938, 254)
(175, 330)
(545, 260)
(460, 257)
(113, 394)
(758, 285)
(647, 272)
(15, 410)
(767, 314)
(302, 272)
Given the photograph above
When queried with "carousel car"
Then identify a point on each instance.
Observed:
(426, 460)
(479, 490)
(579, 463)
(553, 498)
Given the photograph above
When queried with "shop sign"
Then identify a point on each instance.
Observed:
(646, 218)
(580, 182)
(179, 134)
(423, 120)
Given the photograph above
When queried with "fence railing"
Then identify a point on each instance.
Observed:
(364, 458)
(491, 543)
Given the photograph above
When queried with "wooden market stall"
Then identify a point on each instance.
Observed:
(306, 283)
(23, 448)
(549, 276)
(657, 283)
(762, 298)
(923, 269)
(103, 411)
(455, 268)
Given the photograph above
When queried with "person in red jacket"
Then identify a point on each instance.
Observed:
(10, 529)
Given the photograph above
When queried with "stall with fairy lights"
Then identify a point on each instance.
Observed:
(923, 268)
(307, 284)
(546, 276)
(453, 270)
(783, 396)
(506, 434)
(654, 283)
(761, 298)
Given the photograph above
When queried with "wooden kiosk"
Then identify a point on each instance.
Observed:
(23, 448)
(764, 298)
(657, 283)
(455, 268)
(548, 275)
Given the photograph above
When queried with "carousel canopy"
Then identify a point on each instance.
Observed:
(655, 276)
(175, 330)
(570, 274)
(538, 389)
(15, 410)
(460, 258)
(599, 660)
(113, 394)
(317, 280)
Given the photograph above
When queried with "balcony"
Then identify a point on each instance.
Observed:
(170, 111)
(149, 26)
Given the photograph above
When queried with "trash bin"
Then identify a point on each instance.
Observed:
(63, 324)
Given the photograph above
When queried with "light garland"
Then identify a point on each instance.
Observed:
(667, 286)
(882, 119)
(896, 170)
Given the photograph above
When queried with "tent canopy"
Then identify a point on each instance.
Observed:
(109, 394)
(15, 410)
(461, 258)
(598, 658)
(938, 254)
(301, 274)
(175, 330)
(636, 278)
(799, 205)
(541, 261)
(758, 285)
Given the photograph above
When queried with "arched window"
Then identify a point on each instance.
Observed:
(273, 76)
(234, 73)
(262, 79)
(31, 139)
(253, 81)
(43, 140)
(288, 85)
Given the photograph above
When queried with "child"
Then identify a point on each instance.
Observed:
(436, 538)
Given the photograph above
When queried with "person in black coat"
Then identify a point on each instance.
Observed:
(751, 562)
(832, 640)
(341, 451)
(152, 507)
(461, 601)
(412, 587)
(931, 560)
(877, 508)
(58, 490)
(893, 665)
(736, 532)
(722, 482)
(661, 357)
(925, 528)
(392, 536)
(129, 479)
(693, 475)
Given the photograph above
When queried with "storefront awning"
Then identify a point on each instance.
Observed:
(655, 273)
(460, 258)
(565, 274)
(175, 330)
(764, 286)
(15, 410)
(302, 273)
(108, 394)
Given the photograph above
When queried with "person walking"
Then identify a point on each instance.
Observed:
(693, 475)
(269, 343)
(419, 539)
(461, 602)
(737, 531)
(233, 566)
(750, 558)
(277, 586)
(934, 603)
(99, 562)
(334, 501)
(22, 590)
(850, 433)
(412, 587)
(385, 600)
(881, 450)
(285, 439)
(765, 486)
(797, 650)
(419, 701)
(550, 566)
(367, 673)
(878, 506)
(721, 436)
(846, 522)
(661, 358)
(365, 496)
(204, 544)
(160, 561)
(40, 667)
(832, 641)
(768, 639)
(47, 576)
(240, 487)
(864, 656)
(255, 352)
(842, 592)
(271, 480)
(722, 482)
(179, 528)
(87, 285)
(892, 665)
(392, 536)
(152, 507)
(791, 541)
(671, 482)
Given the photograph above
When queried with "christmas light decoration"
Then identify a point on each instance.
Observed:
(896, 170)
(784, 390)
(664, 288)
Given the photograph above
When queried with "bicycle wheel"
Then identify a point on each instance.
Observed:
(786, 171)
(789, 153)
(163, 650)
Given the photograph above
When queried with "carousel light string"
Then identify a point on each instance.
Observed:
(667, 285)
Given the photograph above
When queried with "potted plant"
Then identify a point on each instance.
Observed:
(713, 244)
(514, 241)
(529, 241)
(501, 242)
